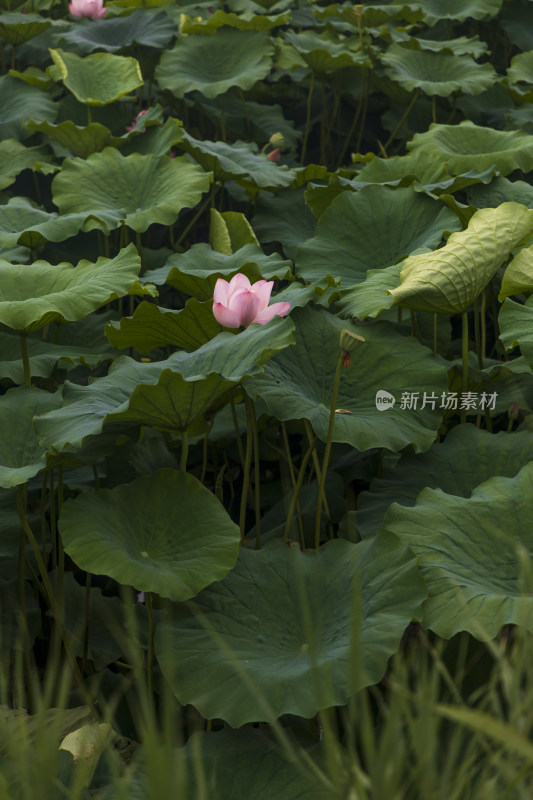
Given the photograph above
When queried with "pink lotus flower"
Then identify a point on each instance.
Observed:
(137, 118)
(240, 303)
(87, 8)
(274, 155)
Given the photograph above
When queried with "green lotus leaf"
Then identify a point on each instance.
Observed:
(214, 64)
(515, 323)
(81, 141)
(285, 218)
(138, 189)
(243, 22)
(81, 342)
(23, 222)
(21, 456)
(196, 271)
(458, 10)
(467, 458)
(17, 28)
(152, 327)
(372, 296)
(439, 74)
(473, 553)
(139, 28)
(517, 22)
(157, 139)
(326, 52)
(460, 46)
(164, 533)
(467, 146)
(420, 165)
(521, 70)
(98, 79)
(501, 190)
(246, 763)
(298, 384)
(518, 276)
(372, 228)
(450, 279)
(170, 394)
(239, 161)
(14, 158)
(19, 102)
(34, 76)
(33, 295)
(229, 231)
(235, 631)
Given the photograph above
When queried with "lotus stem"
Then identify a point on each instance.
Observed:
(209, 199)
(316, 465)
(354, 123)
(246, 472)
(251, 425)
(296, 494)
(25, 358)
(483, 326)
(464, 381)
(52, 601)
(403, 118)
(151, 649)
(308, 117)
(184, 451)
(435, 334)
(293, 478)
(86, 613)
(327, 451)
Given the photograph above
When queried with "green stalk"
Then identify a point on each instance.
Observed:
(483, 326)
(477, 335)
(464, 380)
(354, 123)
(251, 425)
(25, 358)
(402, 120)
(318, 471)
(296, 494)
(308, 117)
(151, 649)
(52, 600)
(184, 451)
(207, 201)
(327, 451)
(86, 613)
(236, 426)
(435, 334)
(293, 478)
(246, 472)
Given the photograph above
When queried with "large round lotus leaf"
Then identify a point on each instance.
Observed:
(298, 384)
(23, 222)
(439, 74)
(245, 22)
(474, 553)
(138, 189)
(171, 394)
(213, 64)
(141, 27)
(17, 28)
(196, 271)
(460, 10)
(372, 296)
(152, 327)
(372, 228)
(246, 763)
(467, 458)
(516, 327)
(164, 533)
(460, 46)
(237, 654)
(21, 456)
(14, 158)
(33, 295)
(81, 141)
(19, 102)
(419, 165)
(98, 79)
(450, 279)
(467, 146)
(518, 276)
(326, 52)
(239, 161)
(501, 190)
(283, 217)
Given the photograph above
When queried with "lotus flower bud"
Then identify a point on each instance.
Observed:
(513, 412)
(277, 140)
(239, 303)
(274, 156)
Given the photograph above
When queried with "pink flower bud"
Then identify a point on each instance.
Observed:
(514, 412)
(238, 302)
(87, 8)
(274, 155)
(136, 120)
